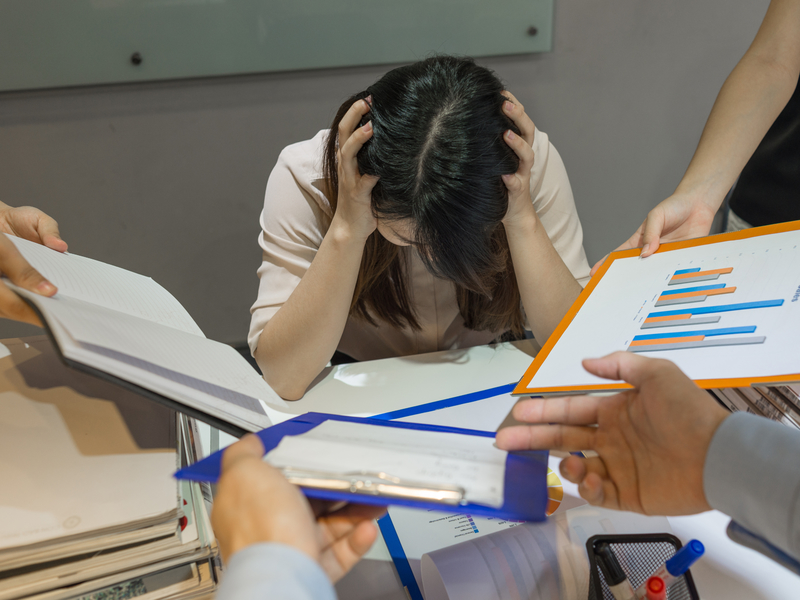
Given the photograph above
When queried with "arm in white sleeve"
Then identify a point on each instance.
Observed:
(752, 473)
(274, 572)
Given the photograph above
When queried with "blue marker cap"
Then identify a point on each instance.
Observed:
(685, 558)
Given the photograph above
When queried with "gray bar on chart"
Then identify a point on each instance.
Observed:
(701, 344)
(694, 321)
(689, 300)
(694, 279)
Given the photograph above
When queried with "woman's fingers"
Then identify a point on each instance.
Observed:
(348, 127)
(523, 150)
(516, 112)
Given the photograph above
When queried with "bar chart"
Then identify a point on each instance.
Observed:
(725, 309)
(682, 339)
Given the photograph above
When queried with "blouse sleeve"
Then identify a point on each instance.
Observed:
(555, 206)
(294, 220)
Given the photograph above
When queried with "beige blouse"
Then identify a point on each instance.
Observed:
(297, 214)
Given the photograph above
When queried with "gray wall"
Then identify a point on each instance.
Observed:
(167, 179)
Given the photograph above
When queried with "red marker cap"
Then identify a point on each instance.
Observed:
(656, 589)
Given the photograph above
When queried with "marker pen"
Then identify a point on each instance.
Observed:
(615, 577)
(675, 566)
(655, 589)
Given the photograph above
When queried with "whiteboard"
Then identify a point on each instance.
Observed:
(58, 43)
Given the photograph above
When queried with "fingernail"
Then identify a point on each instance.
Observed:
(368, 127)
(645, 249)
(509, 106)
(46, 288)
(510, 134)
(369, 99)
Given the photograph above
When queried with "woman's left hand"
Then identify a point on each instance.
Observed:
(520, 205)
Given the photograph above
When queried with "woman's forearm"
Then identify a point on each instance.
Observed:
(545, 283)
(300, 339)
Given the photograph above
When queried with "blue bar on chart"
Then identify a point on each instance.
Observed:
(698, 288)
(705, 310)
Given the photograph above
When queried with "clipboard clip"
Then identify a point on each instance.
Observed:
(375, 484)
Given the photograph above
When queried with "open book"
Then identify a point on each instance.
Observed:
(125, 327)
(724, 308)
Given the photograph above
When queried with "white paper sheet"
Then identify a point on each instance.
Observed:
(764, 268)
(426, 457)
(106, 285)
(50, 489)
(421, 532)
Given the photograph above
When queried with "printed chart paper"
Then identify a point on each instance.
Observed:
(725, 309)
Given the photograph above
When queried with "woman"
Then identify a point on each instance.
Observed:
(412, 227)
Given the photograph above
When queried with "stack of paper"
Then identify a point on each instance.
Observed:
(87, 501)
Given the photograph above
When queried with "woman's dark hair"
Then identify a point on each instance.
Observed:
(438, 149)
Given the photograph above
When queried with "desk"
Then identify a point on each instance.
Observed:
(727, 571)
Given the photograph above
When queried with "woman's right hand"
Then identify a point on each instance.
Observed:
(354, 205)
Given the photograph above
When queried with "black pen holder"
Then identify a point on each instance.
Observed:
(640, 556)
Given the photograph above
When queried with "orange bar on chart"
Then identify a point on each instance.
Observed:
(675, 340)
(668, 318)
(701, 274)
(729, 290)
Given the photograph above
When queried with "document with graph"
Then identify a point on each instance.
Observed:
(724, 308)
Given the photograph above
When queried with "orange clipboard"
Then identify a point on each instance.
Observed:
(527, 387)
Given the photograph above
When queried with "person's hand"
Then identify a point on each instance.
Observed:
(679, 217)
(354, 203)
(254, 503)
(31, 224)
(651, 441)
(520, 206)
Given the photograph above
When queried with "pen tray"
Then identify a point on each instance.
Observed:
(639, 556)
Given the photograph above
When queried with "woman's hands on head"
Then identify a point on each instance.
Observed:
(33, 225)
(354, 205)
(256, 504)
(520, 205)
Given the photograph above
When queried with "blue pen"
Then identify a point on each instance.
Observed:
(675, 566)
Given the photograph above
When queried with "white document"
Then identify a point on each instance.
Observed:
(422, 532)
(54, 488)
(456, 556)
(424, 457)
(762, 270)
(130, 327)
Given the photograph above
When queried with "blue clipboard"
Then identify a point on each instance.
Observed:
(525, 479)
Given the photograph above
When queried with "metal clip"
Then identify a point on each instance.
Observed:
(375, 484)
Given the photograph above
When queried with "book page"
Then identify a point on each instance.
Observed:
(719, 311)
(162, 359)
(107, 286)
(423, 457)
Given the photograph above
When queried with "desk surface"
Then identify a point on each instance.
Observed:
(727, 571)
